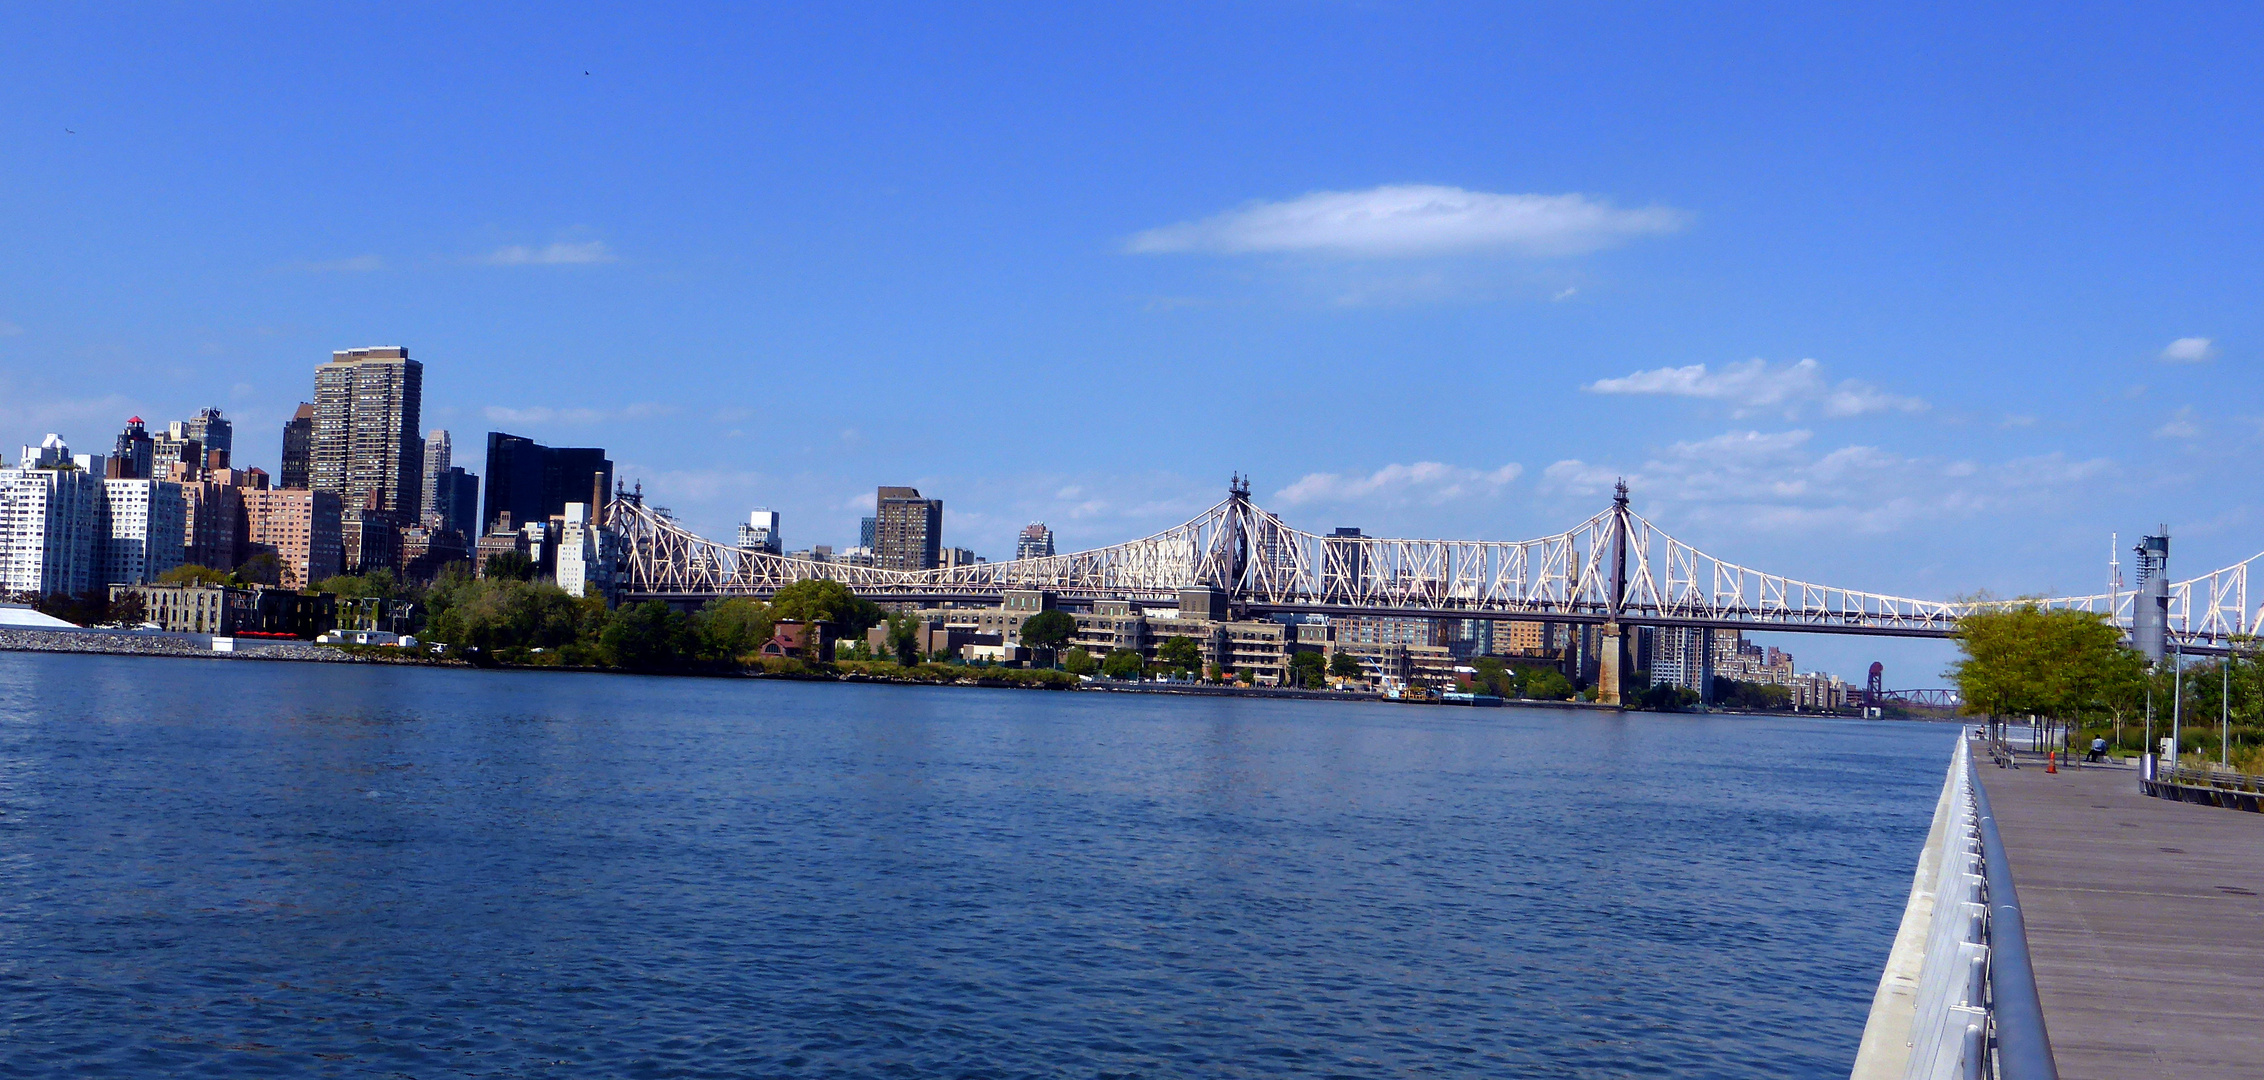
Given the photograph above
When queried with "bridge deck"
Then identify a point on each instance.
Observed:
(2145, 920)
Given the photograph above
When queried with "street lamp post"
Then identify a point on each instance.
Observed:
(2177, 701)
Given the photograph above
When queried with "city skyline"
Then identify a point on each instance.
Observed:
(1897, 350)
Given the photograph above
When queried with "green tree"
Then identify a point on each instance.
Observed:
(1079, 662)
(1544, 684)
(128, 609)
(1180, 654)
(498, 616)
(732, 629)
(1122, 664)
(1344, 665)
(1308, 669)
(1494, 677)
(1048, 630)
(904, 638)
(509, 566)
(263, 568)
(818, 600)
(379, 583)
(193, 574)
(2020, 659)
(647, 637)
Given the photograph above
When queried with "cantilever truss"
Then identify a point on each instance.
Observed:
(1266, 565)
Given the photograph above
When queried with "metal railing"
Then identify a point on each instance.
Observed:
(2024, 1045)
(2213, 785)
(1975, 1012)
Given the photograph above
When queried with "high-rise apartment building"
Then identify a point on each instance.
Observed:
(761, 532)
(300, 528)
(868, 531)
(908, 532)
(1684, 656)
(366, 406)
(50, 515)
(298, 448)
(133, 454)
(533, 482)
(140, 532)
(1344, 564)
(213, 517)
(214, 433)
(436, 464)
(174, 446)
(1036, 542)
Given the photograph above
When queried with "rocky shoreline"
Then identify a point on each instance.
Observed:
(127, 643)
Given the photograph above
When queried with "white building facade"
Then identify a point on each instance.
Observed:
(49, 521)
(585, 554)
(143, 526)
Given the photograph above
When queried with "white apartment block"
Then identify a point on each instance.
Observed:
(49, 520)
(585, 554)
(143, 525)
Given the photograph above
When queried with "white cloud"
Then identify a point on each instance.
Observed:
(354, 265)
(1566, 293)
(544, 414)
(1755, 386)
(86, 423)
(9, 329)
(1426, 481)
(1750, 481)
(561, 253)
(2180, 426)
(1404, 220)
(2189, 350)
(2016, 420)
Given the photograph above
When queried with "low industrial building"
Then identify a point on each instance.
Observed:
(227, 609)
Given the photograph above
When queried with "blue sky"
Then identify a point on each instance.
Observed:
(1971, 288)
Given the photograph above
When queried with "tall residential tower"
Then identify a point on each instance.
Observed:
(908, 532)
(367, 448)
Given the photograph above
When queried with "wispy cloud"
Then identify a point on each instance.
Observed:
(2189, 350)
(1755, 386)
(87, 423)
(561, 253)
(544, 414)
(357, 264)
(1423, 481)
(2180, 426)
(1752, 481)
(1412, 220)
(9, 329)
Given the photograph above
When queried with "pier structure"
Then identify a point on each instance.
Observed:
(2140, 924)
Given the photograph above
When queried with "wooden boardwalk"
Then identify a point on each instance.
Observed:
(2145, 921)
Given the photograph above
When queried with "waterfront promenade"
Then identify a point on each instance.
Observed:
(2145, 922)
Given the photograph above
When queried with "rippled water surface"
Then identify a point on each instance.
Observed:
(237, 868)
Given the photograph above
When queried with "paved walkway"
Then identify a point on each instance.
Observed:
(2145, 922)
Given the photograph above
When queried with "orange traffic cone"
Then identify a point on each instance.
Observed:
(2051, 761)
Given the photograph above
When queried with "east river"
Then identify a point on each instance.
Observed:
(238, 868)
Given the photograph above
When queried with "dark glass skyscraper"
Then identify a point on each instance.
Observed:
(531, 481)
(298, 448)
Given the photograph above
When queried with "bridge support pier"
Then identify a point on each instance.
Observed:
(1611, 665)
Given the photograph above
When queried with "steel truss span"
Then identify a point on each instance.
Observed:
(1615, 566)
